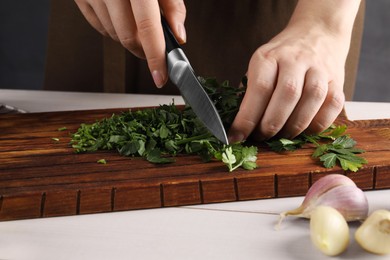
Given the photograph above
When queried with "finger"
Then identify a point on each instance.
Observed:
(124, 25)
(330, 109)
(283, 101)
(175, 13)
(313, 96)
(101, 12)
(91, 17)
(262, 74)
(147, 17)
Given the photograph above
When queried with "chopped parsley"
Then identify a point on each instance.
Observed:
(159, 134)
(102, 161)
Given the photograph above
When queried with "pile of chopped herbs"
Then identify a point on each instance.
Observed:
(159, 134)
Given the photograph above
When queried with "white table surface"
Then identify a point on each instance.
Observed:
(237, 230)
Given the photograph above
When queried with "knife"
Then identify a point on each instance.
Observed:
(183, 76)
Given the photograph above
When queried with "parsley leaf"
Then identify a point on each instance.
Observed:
(329, 159)
(249, 157)
(333, 132)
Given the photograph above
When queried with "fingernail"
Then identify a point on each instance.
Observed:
(182, 33)
(235, 137)
(158, 78)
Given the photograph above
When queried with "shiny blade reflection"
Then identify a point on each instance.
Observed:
(181, 74)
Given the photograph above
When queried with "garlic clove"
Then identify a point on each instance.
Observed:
(374, 234)
(329, 231)
(334, 190)
(350, 201)
(324, 184)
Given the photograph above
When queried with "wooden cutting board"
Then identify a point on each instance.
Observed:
(40, 177)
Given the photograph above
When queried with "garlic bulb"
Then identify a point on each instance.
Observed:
(350, 201)
(326, 183)
(374, 234)
(334, 190)
(329, 231)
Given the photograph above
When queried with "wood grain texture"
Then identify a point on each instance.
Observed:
(40, 177)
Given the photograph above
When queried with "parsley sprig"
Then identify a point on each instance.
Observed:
(236, 156)
(332, 146)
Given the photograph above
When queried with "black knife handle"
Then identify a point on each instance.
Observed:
(170, 40)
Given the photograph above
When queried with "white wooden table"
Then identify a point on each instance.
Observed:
(237, 230)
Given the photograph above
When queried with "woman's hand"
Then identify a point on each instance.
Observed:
(295, 82)
(136, 24)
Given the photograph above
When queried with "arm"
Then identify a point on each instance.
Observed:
(295, 82)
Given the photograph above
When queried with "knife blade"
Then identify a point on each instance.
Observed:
(183, 76)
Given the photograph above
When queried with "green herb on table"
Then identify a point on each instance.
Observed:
(343, 151)
(102, 161)
(55, 139)
(331, 147)
(236, 156)
(62, 128)
(158, 134)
